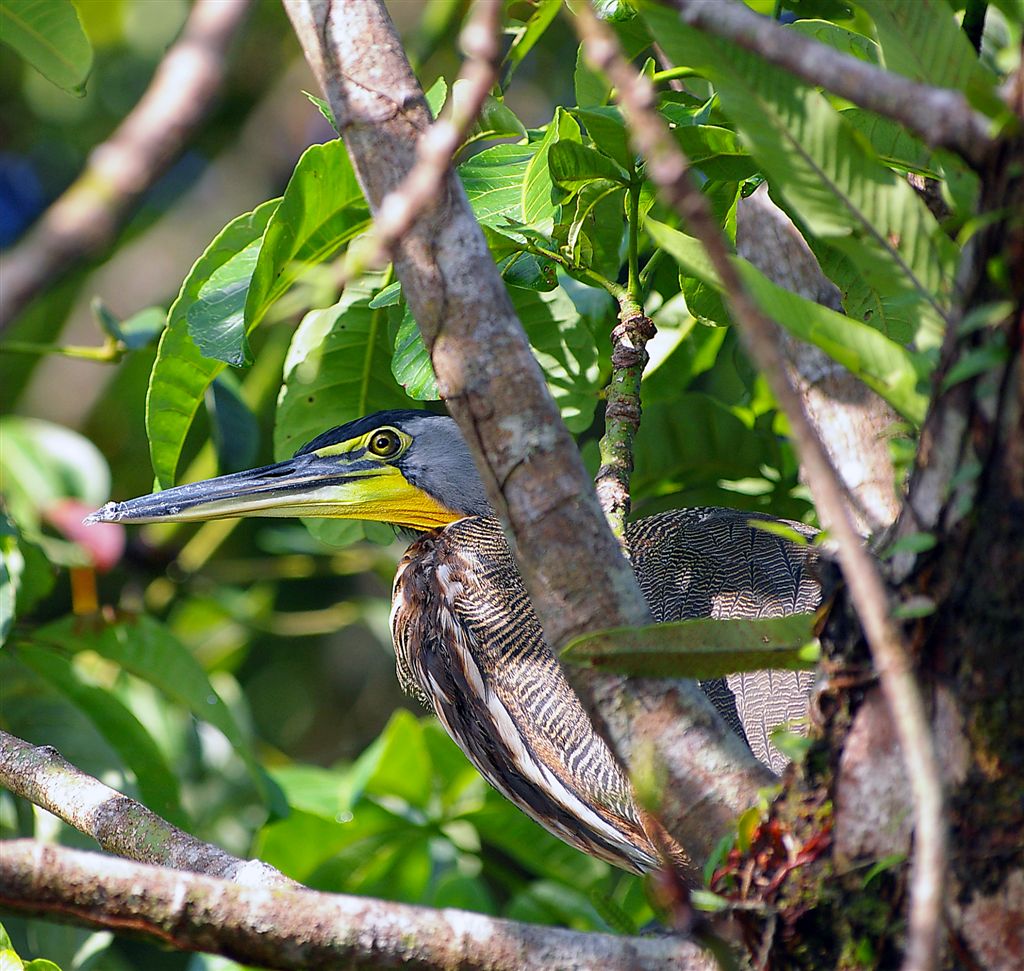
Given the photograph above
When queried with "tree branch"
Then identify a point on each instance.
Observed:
(120, 825)
(939, 117)
(668, 169)
(530, 466)
(87, 216)
(301, 929)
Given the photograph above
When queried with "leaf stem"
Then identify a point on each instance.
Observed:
(633, 285)
(109, 353)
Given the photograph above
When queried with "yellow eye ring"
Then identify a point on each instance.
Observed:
(385, 443)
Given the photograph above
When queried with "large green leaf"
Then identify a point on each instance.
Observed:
(825, 173)
(493, 181)
(145, 648)
(180, 373)
(716, 151)
(702, 648)
(49, 36)
(322, 209)
(573, 165)
(338, 369)
(886, 367)
(923, 40)
(158, 786)
(538, 205)
(565, 348)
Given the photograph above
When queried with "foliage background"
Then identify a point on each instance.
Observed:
(239, 677)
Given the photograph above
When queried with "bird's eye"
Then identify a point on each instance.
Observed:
(385, 443)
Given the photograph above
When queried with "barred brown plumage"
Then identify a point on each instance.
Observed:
(467, 640)
(468, 643)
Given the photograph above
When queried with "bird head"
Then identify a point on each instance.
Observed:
(408, 468)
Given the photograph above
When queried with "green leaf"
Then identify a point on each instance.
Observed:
(323, 107)
(158, 786)
(923, 41)
(527, 36)
(234, 428)
(338, 369)
(839, 38)
(538, 205)
(702, 648)
(495, 118)
(493, 181)
(529, 271)
(411, 363)
(402, 766)
(564, 346)
(600, 220)
(26, 575)
(436, 96)
(321, 210)
(49, 36)
(390, 296)
(573, 165)
(181, 375)
(716, 151)
(607, 128)
(145, 648)
(826, 174)
(886, 367)
(216, 320)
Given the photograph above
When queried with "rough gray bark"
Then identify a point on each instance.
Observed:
(853, 423)
(300, 929)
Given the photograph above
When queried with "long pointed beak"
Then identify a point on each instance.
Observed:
(307, 485)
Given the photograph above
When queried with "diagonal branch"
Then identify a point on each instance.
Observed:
(530, 466)
(302, 929)
(668, 168)
(87, 216)
(119, 824)
(940, 117)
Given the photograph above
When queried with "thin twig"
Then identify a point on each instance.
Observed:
(119, 824)
(87, 216)
(297, 928)
(668, 169)
(940, 117)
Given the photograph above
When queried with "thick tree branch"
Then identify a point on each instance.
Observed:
(573, 569)
(87, 216)
(119, 824)
(668, 169)
(299, 928)
(939, 117)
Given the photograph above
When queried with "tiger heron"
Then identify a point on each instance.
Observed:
(467, 641)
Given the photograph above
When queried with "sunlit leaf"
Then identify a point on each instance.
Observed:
(49, 36)
(493, 181)
(411, 364)
(322, 209)
(181, 375)
(883, 365)
(538, 204)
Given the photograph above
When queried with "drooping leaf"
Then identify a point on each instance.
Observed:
(49, 36)
(573, 165)
(886, 367)
(158, 785)
(181, 375)
(599, 221)
(145, 648)
(702, 648)
(338, 369)
(321, 210)
(606, 127)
